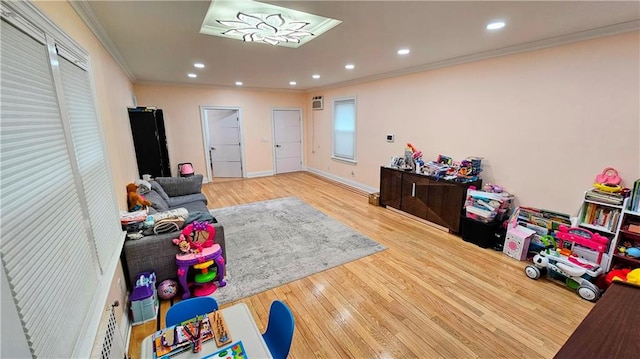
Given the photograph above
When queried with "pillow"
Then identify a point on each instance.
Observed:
(180, 186)
(158, 188)
(157, 202)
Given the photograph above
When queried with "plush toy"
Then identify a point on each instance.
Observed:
(634, 276)
(617, 274)
(134, 200)
(182, 243)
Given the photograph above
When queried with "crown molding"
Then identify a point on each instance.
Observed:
(85, 12)
(609, 30)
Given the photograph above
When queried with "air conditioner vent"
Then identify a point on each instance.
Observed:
(317, 103)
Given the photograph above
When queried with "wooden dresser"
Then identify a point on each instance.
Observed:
(435, 200)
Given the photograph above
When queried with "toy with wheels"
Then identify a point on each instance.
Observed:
(577, 273)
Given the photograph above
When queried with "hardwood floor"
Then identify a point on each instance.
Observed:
(429, 295)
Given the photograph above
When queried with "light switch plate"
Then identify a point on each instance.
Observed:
(390, 137)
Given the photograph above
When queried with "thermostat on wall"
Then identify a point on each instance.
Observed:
(390, 137)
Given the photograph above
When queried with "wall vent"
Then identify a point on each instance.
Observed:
(109, 343)
(317, 102)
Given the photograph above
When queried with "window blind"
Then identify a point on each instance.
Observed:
(92, 164)
(47, 255)
(344, 128)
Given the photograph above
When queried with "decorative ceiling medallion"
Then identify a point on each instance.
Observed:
(251, 21)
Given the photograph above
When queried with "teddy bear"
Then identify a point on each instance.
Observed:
(134, 200)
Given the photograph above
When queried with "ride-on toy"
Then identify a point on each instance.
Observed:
(575, 258)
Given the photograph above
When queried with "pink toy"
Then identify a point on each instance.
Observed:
(203, 234)
(198, 261)
(167, 289)
(568, 237)
(609, 176)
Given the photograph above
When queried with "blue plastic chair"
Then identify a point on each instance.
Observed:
(189, 308)
(279, 333)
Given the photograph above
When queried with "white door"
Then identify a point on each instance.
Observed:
(225, 152)
(287, 140)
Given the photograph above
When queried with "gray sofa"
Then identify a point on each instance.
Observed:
(157, 252)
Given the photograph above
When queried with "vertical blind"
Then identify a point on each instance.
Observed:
(59, 220)
(344, 129)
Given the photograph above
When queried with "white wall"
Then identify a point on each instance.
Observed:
(545, 122)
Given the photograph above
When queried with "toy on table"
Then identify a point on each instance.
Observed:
(135, 201)
(573, 255)
(234, 351)
(219, 328)
(175, 339)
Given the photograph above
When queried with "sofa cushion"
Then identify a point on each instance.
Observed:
(155, 186)
(157, 202)
(180, 186)
(180, 200)
(197, 206)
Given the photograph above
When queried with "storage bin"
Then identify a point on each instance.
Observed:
(374, 198)
(479, 233)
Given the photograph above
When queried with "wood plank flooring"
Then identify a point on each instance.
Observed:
(429, 295)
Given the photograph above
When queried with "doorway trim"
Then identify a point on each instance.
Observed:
(273, 136)
(205, 138)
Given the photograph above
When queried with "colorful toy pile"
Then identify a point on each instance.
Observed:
(444, 167)
(492, 204)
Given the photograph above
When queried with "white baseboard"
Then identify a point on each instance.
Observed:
(260, 174)
(345, 181)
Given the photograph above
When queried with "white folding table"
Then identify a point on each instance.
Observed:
(241, 326)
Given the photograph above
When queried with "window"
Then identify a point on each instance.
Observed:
(344, 129)
(61, 235)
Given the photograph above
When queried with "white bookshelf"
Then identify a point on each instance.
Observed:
(611, 233)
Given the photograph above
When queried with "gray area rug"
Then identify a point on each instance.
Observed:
(278, 241)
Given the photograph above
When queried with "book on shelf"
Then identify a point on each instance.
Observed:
(604, 197)
(634, 203)
(601, 216)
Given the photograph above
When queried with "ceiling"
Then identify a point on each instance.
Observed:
(159, 41)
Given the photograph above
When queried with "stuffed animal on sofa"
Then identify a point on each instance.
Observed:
(134, 200)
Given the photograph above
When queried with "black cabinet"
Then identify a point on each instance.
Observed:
(390, 187)
(150, 142)
(415, 194)
(435, 200)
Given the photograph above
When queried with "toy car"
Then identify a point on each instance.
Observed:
(578, 273)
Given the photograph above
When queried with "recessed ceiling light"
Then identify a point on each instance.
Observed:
(349, 66)
(238, 83)
(292, 83)
(192, 75)
(403, 51)
(198, 65)
(315, 76)
(496, 25)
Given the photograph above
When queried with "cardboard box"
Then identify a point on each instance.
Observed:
(374, 198)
